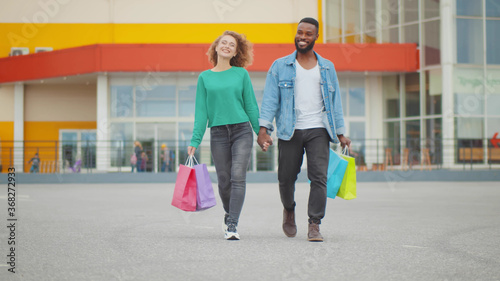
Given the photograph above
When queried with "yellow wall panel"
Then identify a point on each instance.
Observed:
(6, 134)
(62, 36)
(50, 130)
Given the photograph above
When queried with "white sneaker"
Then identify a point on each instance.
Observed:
(231, 233)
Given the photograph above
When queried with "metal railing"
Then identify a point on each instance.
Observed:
(115, 156)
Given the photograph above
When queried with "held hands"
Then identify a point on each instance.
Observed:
(264, 139)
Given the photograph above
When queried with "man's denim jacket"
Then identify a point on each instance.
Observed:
(279, 98)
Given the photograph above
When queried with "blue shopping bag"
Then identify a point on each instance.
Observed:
(336, 171)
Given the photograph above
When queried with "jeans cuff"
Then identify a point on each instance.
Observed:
(316, 221)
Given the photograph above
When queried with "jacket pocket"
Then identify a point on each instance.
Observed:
(286, 89)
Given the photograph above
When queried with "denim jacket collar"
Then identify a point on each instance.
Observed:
(290, 60)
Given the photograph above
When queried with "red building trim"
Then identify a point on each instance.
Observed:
(192, 57)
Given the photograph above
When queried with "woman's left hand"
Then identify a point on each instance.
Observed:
(191, 150)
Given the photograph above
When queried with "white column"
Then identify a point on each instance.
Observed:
(448, 54)
(103, 144)
(19, 127)
(374, 127)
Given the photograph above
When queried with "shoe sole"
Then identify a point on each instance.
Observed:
(290, 235)
(232, 236)
(315, 239)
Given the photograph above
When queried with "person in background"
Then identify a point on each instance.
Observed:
(144, 161)
(165, 158)
(35, 164)
(138, 153)
(225, 101)
(302, 93)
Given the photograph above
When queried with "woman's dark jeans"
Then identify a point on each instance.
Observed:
(231, 147)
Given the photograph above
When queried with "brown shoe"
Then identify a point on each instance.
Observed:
(313, 234)
(289, 226)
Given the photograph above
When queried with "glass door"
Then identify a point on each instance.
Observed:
(157, 139)
(77, 150)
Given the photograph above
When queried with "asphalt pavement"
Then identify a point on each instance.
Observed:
(392, 231)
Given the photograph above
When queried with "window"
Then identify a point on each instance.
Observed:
(352, 17)
(121, 101)
(333, 28)
(411, 34)
(492, 41)
(431, 8)
(469, 8)
(187, 97)
(470, 41)
(493, 8)
(357, 97)
(393, 137)
(493, 93)
(357, 135)
(412, 94)
(412, 140)
(122, 143)
(410, 10)
(390, 12)
(352, 92)
(370, 23)
(390, 35)
(390, 88)
(433, 141)
(469, 96)
(433, 92)
(158, 101)
(469, 128)
(432, 42)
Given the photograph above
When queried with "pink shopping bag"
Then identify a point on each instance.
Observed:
(185, 188)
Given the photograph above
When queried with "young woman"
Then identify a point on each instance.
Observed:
(138, 155)
(225, 101)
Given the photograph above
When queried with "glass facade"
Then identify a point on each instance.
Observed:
(412, 103)
(163, 114)
(476, 80)
(352, 89)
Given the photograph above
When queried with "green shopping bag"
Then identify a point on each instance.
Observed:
(347, 189)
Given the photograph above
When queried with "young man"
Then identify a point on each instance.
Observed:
(302, 93)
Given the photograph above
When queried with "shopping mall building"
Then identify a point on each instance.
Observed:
(420, 79)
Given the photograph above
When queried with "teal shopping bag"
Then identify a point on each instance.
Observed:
(336, 170)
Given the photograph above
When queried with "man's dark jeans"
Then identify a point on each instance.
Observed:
(231, 147)
(315, 142)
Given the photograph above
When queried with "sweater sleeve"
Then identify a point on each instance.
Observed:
(200, 115)
(251, 107)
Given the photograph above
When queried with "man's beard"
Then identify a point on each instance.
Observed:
(306, 49)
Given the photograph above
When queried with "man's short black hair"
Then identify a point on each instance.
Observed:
(311, 21)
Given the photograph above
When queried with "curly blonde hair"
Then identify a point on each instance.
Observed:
(244, 50)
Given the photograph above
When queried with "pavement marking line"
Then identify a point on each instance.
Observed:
(411, 246)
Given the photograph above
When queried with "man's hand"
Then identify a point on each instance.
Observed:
(264, 139)
(344, 141)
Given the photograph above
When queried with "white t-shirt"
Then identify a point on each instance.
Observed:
(308, 98)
